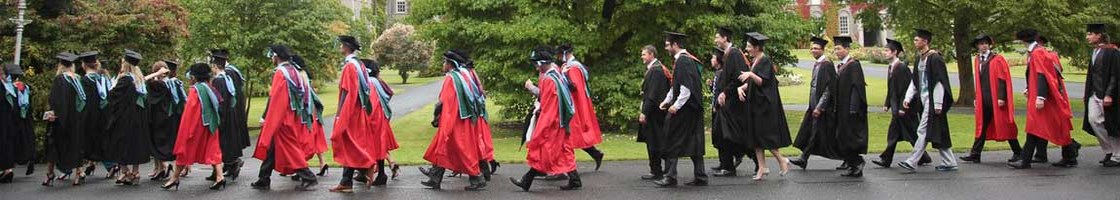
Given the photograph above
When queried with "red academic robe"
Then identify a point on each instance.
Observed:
(482, 127)
(1003, 126)
(195, 143)
(455, 145)
(1052, 122)
(549, 150)
(380, 120)
(283, 129)
(585, 125)
(320, 142)
(355, 144)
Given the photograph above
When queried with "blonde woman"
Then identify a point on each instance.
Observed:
(163, 98)
(129, 120)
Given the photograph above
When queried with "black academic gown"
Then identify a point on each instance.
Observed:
(95, 117)
(241, 109)
(730, 122)
(232, 144)
(25, 148)
(1103, 79)
(768, 127)
(128, 124)
(816, 135)
(654, 88)
(685, 136)
(902, 127)
(160, 105)
(8, 132)
(938, 131)
(850, 109)
(64, 141)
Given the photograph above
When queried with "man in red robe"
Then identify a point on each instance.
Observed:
(585, 126)
(1048, 112)
(455, 146)
(549, 152)
(481, 126)
(285, 138)
(355, 145)
(995, 111)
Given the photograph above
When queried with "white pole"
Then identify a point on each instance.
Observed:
(20, 22)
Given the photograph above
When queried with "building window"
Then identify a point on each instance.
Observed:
(402, 6)
(844, 21)
(814, 2)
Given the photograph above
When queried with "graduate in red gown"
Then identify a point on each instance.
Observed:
(481, 126)
(355, 145)
(380, 94)
(995, 112)
(455, 146)
(197, 141)
(1048, 112)
(549, 152)
(585, 125)
(285, 141)
(319, 139)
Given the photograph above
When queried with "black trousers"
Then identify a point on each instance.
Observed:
(1036, 145)
(348, 176)
(697, 170)
(269, 164)
(655, 166)
(978, 144)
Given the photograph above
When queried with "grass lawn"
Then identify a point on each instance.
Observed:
(414, 134)
(1071, 74)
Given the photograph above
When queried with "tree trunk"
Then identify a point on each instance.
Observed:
(962, 45)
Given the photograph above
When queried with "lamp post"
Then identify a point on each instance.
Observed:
(20, 22)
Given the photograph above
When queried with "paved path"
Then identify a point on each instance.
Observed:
(619, 180)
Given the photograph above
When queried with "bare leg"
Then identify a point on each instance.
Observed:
(218, 170)
(762, 169)
(177, 170)
(783, 163)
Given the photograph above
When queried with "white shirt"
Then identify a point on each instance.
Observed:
(685, 93)
(938, 90)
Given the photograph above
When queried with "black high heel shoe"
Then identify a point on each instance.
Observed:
(323, 170)
(7, 177)
(396, 171)
(219, 185)
(50, 179)
(160, 175)
(170, 185)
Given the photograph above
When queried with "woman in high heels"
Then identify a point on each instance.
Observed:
(128, 120)
(165, 97)
(64, 134)
(197, 141)
(769, 130)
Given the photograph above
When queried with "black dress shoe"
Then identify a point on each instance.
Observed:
(1014, 158)
(1040, 160)
(1107, 157)
(262, 184)
(854, 171)
(697, 182)
(799, 162)
(666, 182)
(651, 177)
(882, 163)
(1066, 163)
(975, 158)
(1019, 165)
(925, 160)
(724, 173)
(843, 166)
(1110, 163)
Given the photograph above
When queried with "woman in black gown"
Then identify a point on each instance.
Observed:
(164, 115)
(769, 130)
(128, 120)
(67, 101)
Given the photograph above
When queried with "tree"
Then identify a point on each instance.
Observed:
(248, 27)
(399, 49)
(148, 26)
(607, 36)
(955, 22)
